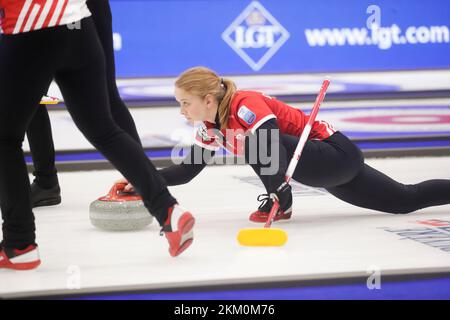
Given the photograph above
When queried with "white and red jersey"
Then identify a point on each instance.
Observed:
(19, 16)
(249, 110)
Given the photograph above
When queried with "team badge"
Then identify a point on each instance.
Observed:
(247, 115)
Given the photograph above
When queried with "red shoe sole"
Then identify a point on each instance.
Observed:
(22, 266)
(185, 228)
(188, 224)
(183, 247)
(264, 219)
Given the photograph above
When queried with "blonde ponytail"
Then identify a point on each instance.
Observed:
(225, 103)
(201, 81)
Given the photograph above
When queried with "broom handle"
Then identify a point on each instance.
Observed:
(306, 131)
(298, 150)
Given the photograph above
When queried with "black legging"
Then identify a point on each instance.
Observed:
(337, 165)
(39, 132)
(42, 149)
(75, 59)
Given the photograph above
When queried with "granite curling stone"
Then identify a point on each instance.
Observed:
(119, 211)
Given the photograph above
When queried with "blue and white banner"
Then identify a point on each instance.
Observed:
(163, 38)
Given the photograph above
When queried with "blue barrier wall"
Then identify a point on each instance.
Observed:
(162, 38)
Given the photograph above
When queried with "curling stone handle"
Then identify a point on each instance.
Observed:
(113, 193)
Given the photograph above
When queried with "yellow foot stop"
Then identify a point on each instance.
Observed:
(262, 237)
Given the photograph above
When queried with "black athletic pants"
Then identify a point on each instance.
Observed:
(75, 59)
(337, 165)
(39, 132)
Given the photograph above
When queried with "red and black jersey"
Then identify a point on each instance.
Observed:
(19, 16)
(249, 110)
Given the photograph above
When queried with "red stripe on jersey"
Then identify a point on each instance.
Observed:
(62, 12)
(26, 18)
(36, 19)
(331, 128)
(50, 13)
(22, 13)
(28, 15)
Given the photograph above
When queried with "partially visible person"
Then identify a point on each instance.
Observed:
(31, 56)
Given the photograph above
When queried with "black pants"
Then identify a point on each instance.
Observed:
(75, 59)
(39, 132)
(337, 165)
(42, 149)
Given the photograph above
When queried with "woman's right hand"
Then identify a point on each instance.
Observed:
(129, 187)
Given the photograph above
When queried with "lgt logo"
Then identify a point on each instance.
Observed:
(255, 35)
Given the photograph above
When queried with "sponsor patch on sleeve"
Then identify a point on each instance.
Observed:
(247, 115)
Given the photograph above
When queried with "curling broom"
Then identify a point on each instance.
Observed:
(267, 236)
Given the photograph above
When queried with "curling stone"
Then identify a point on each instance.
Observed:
(119, 211)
